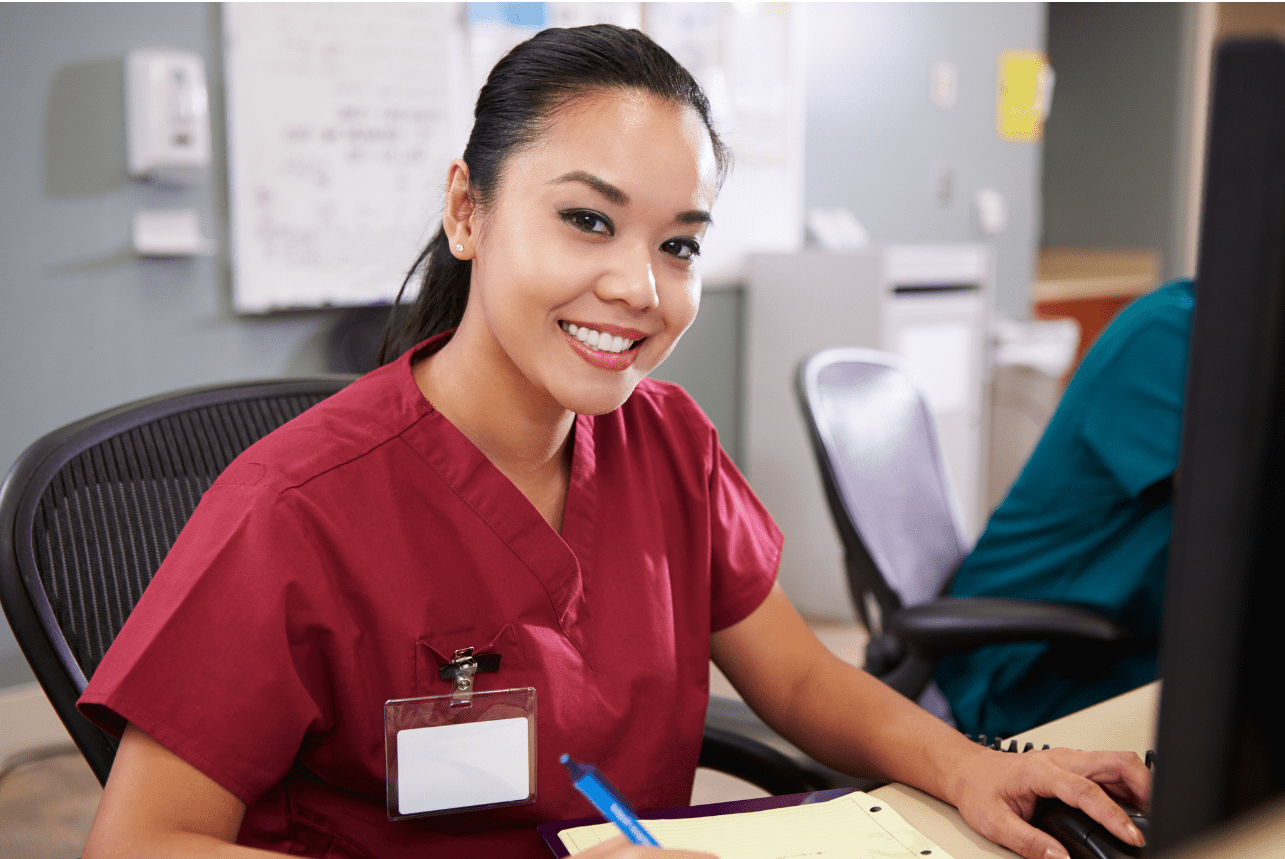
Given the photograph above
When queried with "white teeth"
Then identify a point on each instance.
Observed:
(596, 339)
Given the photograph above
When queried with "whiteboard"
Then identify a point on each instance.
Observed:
(342, 120)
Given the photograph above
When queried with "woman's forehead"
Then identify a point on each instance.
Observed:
(626, 136)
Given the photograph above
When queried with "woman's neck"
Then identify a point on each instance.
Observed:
(528, 438)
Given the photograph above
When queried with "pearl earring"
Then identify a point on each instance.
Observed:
(460, 248)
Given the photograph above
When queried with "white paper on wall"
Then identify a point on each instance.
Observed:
(342, 118)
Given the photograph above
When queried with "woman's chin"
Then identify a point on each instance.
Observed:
(596, 407)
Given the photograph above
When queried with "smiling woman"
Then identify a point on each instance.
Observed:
(508, 513)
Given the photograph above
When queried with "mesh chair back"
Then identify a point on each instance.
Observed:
(90, 510)
(885, 478)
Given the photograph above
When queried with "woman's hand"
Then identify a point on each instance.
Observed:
(996, 793)
(620, 848)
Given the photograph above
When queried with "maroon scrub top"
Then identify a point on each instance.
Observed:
(341, 560)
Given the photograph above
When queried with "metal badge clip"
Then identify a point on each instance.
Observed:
(461, 670)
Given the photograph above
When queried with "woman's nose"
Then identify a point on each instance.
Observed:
(630, 280)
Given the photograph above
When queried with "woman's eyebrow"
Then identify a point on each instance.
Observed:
(620, 198)
(603, 187)
(695, 216)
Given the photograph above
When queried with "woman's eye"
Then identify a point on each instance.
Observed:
(589, 222)
(681, 248)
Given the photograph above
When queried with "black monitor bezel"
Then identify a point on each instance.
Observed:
(1218, 753)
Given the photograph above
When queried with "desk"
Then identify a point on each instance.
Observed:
(1126, 723)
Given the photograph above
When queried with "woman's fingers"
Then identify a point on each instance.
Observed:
(1011, 831)
(1082, 787)
(1120, 773)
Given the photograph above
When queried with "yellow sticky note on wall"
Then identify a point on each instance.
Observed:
(1023, 83)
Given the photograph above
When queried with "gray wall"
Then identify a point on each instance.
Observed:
(873, 132)
(83, 324)
(1115, 173)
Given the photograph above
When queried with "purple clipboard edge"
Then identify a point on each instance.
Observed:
(551, 829)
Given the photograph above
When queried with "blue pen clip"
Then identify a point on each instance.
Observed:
(590, 781)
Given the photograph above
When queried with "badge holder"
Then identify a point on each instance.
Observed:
(465, 751)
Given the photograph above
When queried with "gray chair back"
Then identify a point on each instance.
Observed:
(885, 479)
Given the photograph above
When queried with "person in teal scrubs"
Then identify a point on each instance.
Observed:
(1087, 521)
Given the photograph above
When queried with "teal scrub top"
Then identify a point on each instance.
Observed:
(1087, 521)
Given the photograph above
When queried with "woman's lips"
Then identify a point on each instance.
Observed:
(621, 351)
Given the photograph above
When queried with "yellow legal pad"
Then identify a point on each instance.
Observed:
(852, 826)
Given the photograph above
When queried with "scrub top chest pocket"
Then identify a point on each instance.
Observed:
(460, 751)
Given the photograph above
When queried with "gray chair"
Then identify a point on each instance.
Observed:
(890, 497)
(89, 511)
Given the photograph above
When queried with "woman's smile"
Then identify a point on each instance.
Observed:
(606, 347)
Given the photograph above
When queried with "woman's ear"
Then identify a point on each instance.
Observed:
(458, 215)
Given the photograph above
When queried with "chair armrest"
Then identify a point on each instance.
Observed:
(955, 624)
(755, 762)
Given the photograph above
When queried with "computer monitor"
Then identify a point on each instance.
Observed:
(1220, 746)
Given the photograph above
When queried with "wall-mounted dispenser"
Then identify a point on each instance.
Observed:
(168, 115)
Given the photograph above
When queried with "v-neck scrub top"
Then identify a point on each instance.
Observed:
(344, 558)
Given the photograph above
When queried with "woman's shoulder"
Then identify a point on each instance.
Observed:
(345, 427)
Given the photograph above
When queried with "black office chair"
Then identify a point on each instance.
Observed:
(89, 510)
(886, 484)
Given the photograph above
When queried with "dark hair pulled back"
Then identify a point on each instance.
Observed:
(514, 108)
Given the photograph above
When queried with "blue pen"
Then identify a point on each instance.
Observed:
(590, 781)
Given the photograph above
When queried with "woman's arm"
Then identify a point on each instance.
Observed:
(156, 804)
(847, 719)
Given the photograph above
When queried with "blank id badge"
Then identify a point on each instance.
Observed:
(465, 751)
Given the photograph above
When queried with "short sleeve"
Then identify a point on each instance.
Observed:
(1134, 424)
(746, 546)
(223, 628)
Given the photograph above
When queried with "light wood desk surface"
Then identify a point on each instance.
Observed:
(1126, 723)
